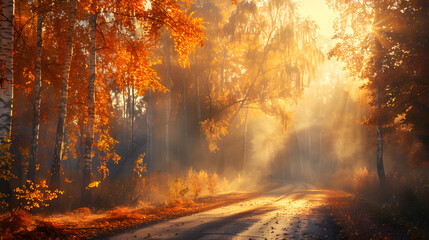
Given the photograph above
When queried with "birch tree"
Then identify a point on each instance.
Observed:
(87, 162)
(6, 66)
(59, 138)
(31, 175)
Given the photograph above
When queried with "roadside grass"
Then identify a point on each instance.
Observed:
(84, 224)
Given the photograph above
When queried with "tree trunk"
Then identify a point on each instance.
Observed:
(222, 67)
(59, 139)
(244, 139)
(380, 166)
(6, 65)
(185, 118)
(89, 140)
(149, 127)
(199, 115)
(168, 112)
(380, 52)
(133, 108)
(31, 174)
(128, 122)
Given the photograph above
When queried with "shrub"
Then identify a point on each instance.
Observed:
(212, 183)
(34, 195)
(177, 189)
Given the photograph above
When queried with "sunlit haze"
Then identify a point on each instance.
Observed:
(214, 119)
(319, 11)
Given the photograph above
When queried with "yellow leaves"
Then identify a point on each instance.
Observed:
(94, 184)
(177, 189)
(140, 166)
(33, 195)
(195, 182)
(212, 182)
(6, 160)
(106, 151)
(214, 131)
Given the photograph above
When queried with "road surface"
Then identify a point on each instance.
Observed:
(294, 211)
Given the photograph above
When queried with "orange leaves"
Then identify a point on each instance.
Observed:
(134, 69)
(187, 34)
(127, 36)
(92, 6)
(106, 152)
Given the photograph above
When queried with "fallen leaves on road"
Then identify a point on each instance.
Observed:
(82, 224)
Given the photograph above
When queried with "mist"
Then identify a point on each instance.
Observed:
(137, 112)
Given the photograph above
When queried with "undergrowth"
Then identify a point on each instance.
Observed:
(401, 201)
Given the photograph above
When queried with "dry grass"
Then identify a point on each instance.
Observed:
(15, 222)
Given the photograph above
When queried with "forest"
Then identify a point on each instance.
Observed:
(129, 116)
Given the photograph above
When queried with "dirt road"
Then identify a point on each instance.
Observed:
(294, 211)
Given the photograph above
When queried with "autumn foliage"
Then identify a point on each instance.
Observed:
(166, 100)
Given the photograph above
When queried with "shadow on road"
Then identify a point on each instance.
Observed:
(201, 230)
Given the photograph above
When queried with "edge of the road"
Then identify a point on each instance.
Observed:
(266, 186)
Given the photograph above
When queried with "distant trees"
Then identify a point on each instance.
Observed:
(267, 54)
(384, 42)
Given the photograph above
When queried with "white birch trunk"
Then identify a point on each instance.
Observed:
(32, 161)
(6, 65)
(87, 161)
(59, 139)
(149, 127)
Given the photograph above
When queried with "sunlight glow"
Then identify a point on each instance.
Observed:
(318, 11)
